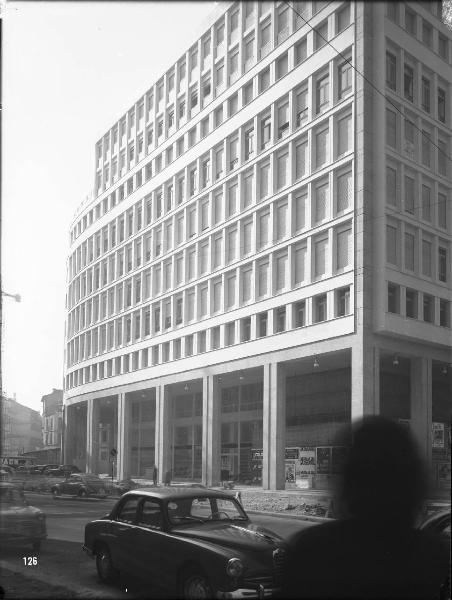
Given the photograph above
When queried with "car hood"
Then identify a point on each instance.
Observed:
(233, 534)
(6, 511)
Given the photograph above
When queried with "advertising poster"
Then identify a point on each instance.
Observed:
(323, 461)
(290, 472)
(306, 462)
(438, 435)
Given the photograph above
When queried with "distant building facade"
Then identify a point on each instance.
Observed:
(267, 255)
(52, 419)
(20, 427)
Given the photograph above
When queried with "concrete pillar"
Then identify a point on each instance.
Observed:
(211, 430)
(122, 445)
(274, 427)
(67, 452)
(162, 431)
(365, 398)
(421, 406)
(91, 435)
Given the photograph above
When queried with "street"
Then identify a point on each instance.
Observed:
(63, 570)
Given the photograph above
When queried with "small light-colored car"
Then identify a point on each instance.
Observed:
(197, 543)
(80, 484)
(19, 522)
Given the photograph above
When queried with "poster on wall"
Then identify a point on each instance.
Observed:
(290, 472)
(323, 461)
(306, 462)
(437, 435)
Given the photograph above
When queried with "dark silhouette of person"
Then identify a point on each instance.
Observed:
(374, 549)
(154, 474)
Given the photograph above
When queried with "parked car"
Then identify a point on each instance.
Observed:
(6, 473)
(20, 522)
(80, 484)
(62, 471)
(438, 523)
(198, 543)
(46, 468)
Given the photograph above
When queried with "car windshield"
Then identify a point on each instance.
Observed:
(10, 496)
(204, 508)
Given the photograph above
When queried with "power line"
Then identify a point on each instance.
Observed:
(348, 60)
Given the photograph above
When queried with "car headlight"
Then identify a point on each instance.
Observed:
(234, 568)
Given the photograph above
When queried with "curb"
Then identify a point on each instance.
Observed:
(284, 516)
(72, 498)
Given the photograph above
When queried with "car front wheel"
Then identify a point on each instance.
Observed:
(56, 492)
(195, 586)
(105, 569)
(82, 493)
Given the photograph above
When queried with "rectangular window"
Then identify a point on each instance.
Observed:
(343, 302)
(321, 148)
(263, 272)
(426, 258)
(320, 257)
(409, 194)
(321, 203)
(426, 148)
(320, 308)
(442, 211)
(281, 272)
(264, 180)
(300, 211)
(411, 304)
(282, 170)
(391, 70)
(322, 94)
(230, 291)
(442, 264)
(283, 120)
(262, 324)
(344, 130)
(425, 94)
(299, 309)
(301, 159)
(264, 223)
(441, 105)
(408, 80)
(429, 309)
(444, 313)
(345, 74)
(391, 128)
(393, 298)
(344, 249)
(246, 284)
(426, 203)
(409, 251)
(391, 186)
(217, 294)
(344, 191)
(300, 254)
(391, 244)
(247, 237)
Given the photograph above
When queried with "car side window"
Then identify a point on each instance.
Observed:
(151, 515)
(127, 512)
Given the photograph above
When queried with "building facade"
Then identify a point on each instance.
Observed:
(266, 254)
(21, 428)
(52, 425)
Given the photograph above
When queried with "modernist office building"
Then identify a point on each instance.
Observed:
(267, 252)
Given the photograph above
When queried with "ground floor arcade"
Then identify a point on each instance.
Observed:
(282, 423)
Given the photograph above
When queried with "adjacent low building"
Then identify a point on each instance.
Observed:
(21, 428)
(267, 253)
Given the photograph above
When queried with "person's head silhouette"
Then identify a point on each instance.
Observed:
(384, 477)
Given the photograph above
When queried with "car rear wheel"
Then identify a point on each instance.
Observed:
(105, 569)
(82, 493)
(195, 586)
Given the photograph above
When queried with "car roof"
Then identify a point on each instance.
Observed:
(169, 493)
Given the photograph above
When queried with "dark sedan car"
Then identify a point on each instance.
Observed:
(197, 543)
(62, 471)
(80, 485)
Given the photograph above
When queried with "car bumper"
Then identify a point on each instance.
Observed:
(259, 592)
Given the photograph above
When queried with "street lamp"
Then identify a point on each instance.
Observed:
(16, 297)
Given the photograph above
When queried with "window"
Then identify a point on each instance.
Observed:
(442, 211)
(410, 21)
(442, 46)
(320, 257)
(248, 93)
(408, 80)
(246, 284)
(321, 202)
(320, 308)
(127, 512)
(343, 302)
(321, 148)
(266, 131)
(249, 143)
(302, 107)
(391, 70)
(280, 319)
(343, 249)
(426, 33)
(409, 251)
(264, 80)
(265, 41)
(344, 191)
(442, 154)
(217, 295)
(264, 223)
(232, 245)
(233, 153)
(229, 334)
(391, 128)
(393, 298)
(425, 94)
(247, 245)
(230, 291)
(409, 194)
(300, 255)
(444, 313)
(263, 273)
(282, 66)
(426, 203)
(429, 309)
(262, 324)
(283, 120)
(264, 182)
(301, 51)
(299, 309)
(391, 244)
(345, 79)
(321, 35)
(344, 131)
(322, 94)
(426, 258)
(411, 303)
(282, 170)
(442, 264)
(391, 11)
(410, 137)
(281, 271)
(245, 328)
(441, 105)
(301, 159)
(233, 67)
(391, 186)
(248, 52)
(426, 148)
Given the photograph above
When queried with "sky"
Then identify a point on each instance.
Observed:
(70, 70)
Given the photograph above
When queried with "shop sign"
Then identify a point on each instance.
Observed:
(306, 462)
(438, 435)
